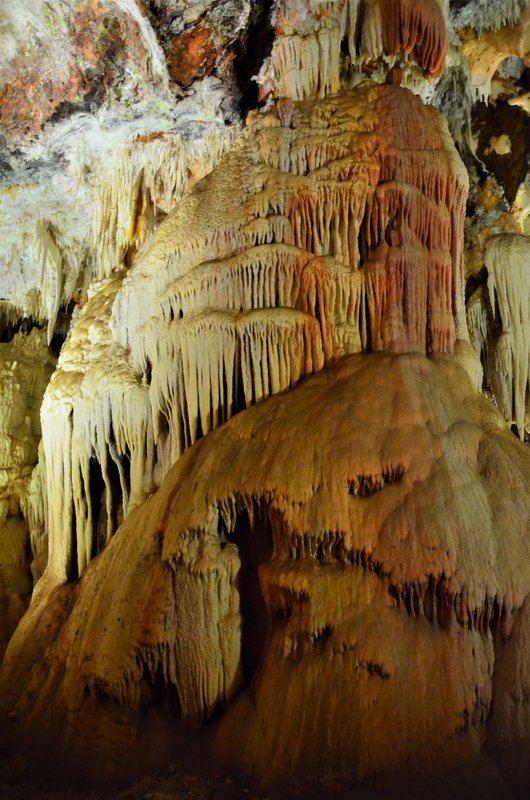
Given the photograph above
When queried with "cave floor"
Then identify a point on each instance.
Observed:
(172, 784)
(479, 779)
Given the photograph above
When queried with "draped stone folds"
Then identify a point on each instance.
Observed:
(330, 228)
(498, 319)
(287, 535)
(377, 515)
(306, 57)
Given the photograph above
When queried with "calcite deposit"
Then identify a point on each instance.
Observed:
(276, 526)
(25, 369)
(327, 245)
(334, 571)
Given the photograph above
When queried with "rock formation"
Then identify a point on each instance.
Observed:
(244, 291)
(365, 567)
(25, 369)
(282, 504)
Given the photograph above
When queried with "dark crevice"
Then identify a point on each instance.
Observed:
(89, 103)
(148, 372)
(251, 50)
(8, 330)
(367, 485)
(73, 567)
(159, 693)
(493, 121)
(62, 327)
(474, 281)
(118, 470)
(98, 505)
(330, 548)
(163, 427)
(376, 669)
(253, 540)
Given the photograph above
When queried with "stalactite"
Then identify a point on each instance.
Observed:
(259, 277)
(508, 263)
(420, 26)
(200, 361)
(308, 64)
(351, 552)
(478, 316)
(93, 219)
(306, 58)
(145, 181)
(95, 407)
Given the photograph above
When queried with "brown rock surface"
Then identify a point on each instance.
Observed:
(308, 582)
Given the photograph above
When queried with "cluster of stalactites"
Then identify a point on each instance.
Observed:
(417, 26)
(358, 229)
(87, 223)
(145, 181)
(330, 229)
(498, 321)
(367, 177)
(307, 54)
(97, 439)
(221, 362)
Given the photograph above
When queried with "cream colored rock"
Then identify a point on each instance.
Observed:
(487, 50)
(335, 230)
(368, 567)
(286, 534)
(25, 368)
(306, 62)
(498, 322)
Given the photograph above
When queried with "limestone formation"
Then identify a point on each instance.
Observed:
(334, 571)
(498, 324)
(25, 369)
(330, 244)
(276, 527)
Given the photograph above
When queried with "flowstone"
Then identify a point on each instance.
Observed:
(288, 536)
(365, 569)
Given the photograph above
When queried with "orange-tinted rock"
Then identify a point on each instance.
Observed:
(330, 228)
(191, 55)
(340, 593)
(419, 26)
(95, 43)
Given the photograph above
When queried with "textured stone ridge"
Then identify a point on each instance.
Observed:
(380, 556)
(331, 227)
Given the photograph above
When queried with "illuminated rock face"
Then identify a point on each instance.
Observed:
(499, 325)
(99, 139)
(305, 60)
(332, 227)
(279, 511)
(25, 369)
(365, 575)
